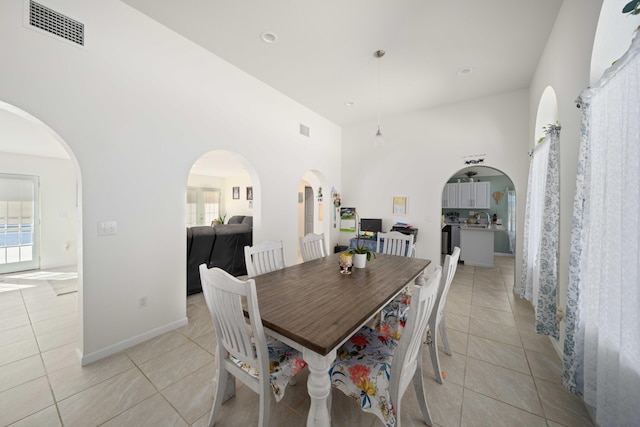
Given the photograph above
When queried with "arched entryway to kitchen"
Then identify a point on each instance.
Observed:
(479, 216)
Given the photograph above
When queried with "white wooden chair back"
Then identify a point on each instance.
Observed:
(396, 243)
(264, 257)
(437, 320)
(407, 357)
(448, 271)
(312, 246)
(224, 294)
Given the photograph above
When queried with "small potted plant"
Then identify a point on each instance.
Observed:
(219, 220)
(361, 254)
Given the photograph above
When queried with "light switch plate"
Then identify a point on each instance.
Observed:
(107, 228)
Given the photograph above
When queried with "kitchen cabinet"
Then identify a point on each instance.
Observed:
(450, 195)
(483, 195)
(474, 195)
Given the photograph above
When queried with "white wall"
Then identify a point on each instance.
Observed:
(205, 181)
(58, 212)
(239, 206)
(137, 106)
(423, 150)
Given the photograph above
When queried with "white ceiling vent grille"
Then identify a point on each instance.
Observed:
(56, 23)
(304, 130)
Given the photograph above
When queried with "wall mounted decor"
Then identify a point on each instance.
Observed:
(400, 205)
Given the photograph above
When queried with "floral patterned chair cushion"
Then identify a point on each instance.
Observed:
(362, 370)
(392, 318)
(284, 363)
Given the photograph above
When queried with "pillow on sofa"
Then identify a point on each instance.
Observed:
(236, 219)
(248, 220)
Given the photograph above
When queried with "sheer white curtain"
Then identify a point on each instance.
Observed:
(541, 228)
(533, 220)
(602, 349)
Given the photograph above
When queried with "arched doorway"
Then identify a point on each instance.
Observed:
(311, 206)
(30, 148)
(222, 196)
(481, 194)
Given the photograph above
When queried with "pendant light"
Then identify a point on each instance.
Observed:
(378, 139)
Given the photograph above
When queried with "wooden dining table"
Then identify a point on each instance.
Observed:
(314, 308)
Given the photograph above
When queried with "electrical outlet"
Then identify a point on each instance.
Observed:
(142, 302)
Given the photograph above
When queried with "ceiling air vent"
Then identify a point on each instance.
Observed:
(304, 130)
(56, 23)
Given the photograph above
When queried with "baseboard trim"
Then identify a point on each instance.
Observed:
(510, 255)
(86, 359)
(556, 346)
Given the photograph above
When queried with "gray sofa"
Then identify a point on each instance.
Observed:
(219, 246)
(241, 219)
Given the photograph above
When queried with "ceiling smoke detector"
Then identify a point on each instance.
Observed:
(268, 37)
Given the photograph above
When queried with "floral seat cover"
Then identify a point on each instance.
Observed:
(392, 318)
(284, 363)
(362, 370)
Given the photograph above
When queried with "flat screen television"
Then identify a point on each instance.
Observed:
(370, 226)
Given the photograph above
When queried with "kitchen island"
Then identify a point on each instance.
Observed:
(476, 244)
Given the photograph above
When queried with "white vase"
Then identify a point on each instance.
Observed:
(359, 260)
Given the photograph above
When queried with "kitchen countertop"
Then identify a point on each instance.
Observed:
(492, 227)
(464, 226)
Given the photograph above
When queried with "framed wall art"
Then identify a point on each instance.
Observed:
(400, 205)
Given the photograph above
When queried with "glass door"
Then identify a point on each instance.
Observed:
(18, 223)
(203, 205)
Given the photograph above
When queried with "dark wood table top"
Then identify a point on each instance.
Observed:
(316, 306)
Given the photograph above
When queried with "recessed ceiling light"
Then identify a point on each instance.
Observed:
(268, 37)
(464, 71)
(349, 103)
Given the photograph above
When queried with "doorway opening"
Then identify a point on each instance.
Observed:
(222, 195)
(481, 198)
(311, 206)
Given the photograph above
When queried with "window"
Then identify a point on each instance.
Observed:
(18, 210)
(203, 205)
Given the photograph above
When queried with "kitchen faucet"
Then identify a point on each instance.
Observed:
(488, 217)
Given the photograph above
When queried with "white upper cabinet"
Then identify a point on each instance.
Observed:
(466, 195)
(483, 195)
(450, 195)
(474, 195)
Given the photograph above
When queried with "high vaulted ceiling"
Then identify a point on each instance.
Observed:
(323, 55)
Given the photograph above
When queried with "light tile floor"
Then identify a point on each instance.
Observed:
(501, 372)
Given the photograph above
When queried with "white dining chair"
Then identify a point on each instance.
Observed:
(396, 243)
(244, 351)
(375, 369)
(312, 246)
(264, 257)
(394, 315)
(437, 320)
